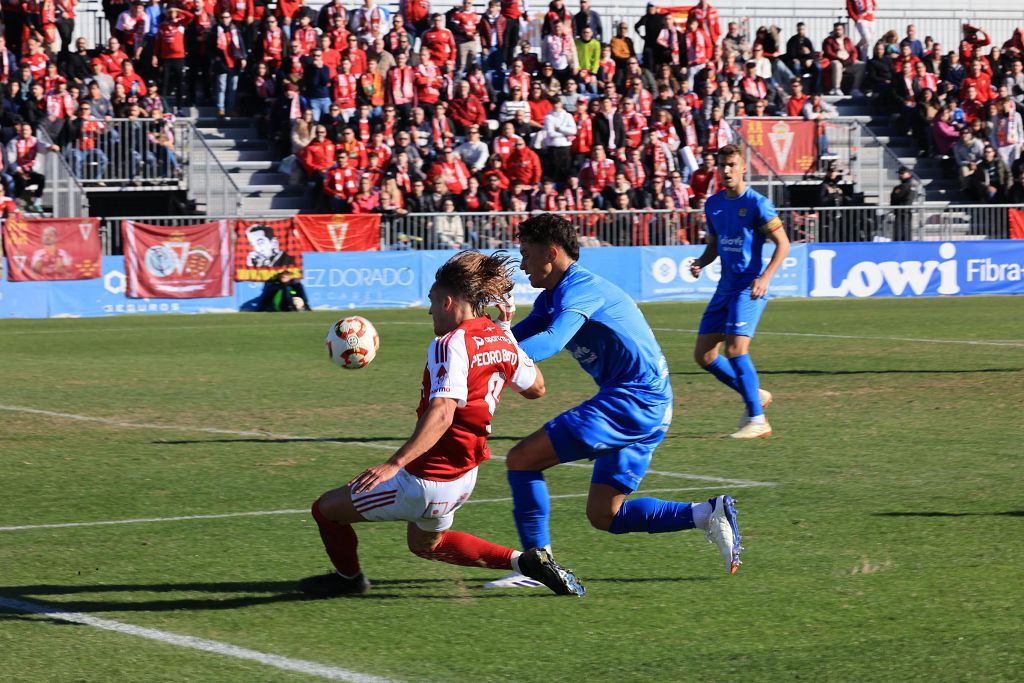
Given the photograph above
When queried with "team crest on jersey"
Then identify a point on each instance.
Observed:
(441, 373)
(743, 212)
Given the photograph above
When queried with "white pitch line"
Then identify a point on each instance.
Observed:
(297, 511)
(367, 444)
(303, 666)
(970, 342)
(187, 428)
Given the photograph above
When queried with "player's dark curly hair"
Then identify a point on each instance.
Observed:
(480, 279)
(550, 228)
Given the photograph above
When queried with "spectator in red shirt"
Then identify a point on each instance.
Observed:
(317, 156)
(798, 99)
(980, 80)
(466, 110)
(843, 59)
(428, 81)
(523, 165)
(169, 53)
(439, 41)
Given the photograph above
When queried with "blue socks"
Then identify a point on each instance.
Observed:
(653, 516)
(723, 372)
(531, 507)
(748, 383)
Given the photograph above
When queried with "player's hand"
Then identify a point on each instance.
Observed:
(506, 311)
(695, 268)
(373, 476)
(758, 288)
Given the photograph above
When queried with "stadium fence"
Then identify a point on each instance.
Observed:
(658, 227)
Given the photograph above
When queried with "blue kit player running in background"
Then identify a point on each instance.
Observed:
(739, 222)
(619, 428)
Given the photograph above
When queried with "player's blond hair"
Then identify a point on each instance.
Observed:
(477, 278)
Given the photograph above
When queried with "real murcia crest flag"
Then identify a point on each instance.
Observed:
(337, 231)
(781, 140)
(85, 229)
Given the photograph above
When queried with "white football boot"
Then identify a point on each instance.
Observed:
(724, 532)
(753, 430)
(514, 580)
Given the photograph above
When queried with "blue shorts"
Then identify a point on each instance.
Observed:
(732, 312)
(618, 430)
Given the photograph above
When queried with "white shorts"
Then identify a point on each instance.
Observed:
(430, 505)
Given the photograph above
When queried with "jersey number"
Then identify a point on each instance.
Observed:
(494, 385)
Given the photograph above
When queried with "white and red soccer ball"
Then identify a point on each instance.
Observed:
(352, 342)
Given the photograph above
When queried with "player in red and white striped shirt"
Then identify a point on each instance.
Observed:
(434, 472)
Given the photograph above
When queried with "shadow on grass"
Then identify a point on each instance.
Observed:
(325, 439)
(1008, 513)
(277, 592)
(866, 372)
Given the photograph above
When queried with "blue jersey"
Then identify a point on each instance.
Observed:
(615, 345)
(739, 225)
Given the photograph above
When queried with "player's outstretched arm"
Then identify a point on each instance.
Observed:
(777, 235)
(708, 257)
(432, 425)
(553, 339)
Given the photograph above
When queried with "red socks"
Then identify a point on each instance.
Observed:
(467, 550)
(341, 543)
(455, 547)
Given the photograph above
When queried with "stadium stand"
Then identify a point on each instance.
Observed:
(268, 109)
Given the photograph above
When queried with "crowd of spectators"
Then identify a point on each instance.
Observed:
(415, 111)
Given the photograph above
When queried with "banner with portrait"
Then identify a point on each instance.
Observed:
(265, 248)
(52, 248)
(178, 262)
(339, 232)
(789, 147)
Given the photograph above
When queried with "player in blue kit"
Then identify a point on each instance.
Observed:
(739, 222)
(620, 426)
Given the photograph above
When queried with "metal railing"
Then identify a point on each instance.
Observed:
(62, 193)
(498, 230)
(136, 152)
(210, 185)
(658, 227)
(110, 227)
(898, 223)
(944, 25)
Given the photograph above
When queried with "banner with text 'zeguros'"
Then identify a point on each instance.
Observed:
(179, 262)
(52, 248)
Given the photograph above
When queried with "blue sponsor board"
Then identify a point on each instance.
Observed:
(389, 279)
(665, 274)
(101, 296)
(22, 299)
(364, 279)
(908, 269)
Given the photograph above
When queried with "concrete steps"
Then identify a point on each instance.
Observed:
(252, 165)
(938, 189)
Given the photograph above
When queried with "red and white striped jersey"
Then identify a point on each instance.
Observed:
(471, 364)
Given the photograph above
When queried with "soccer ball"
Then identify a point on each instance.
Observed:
(352, 342)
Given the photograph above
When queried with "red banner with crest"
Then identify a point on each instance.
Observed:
(52, 248)
(179, 262)
(339, 232)
(265, 248)
(789, 147)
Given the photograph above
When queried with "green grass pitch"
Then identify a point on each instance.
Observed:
(888, 545)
